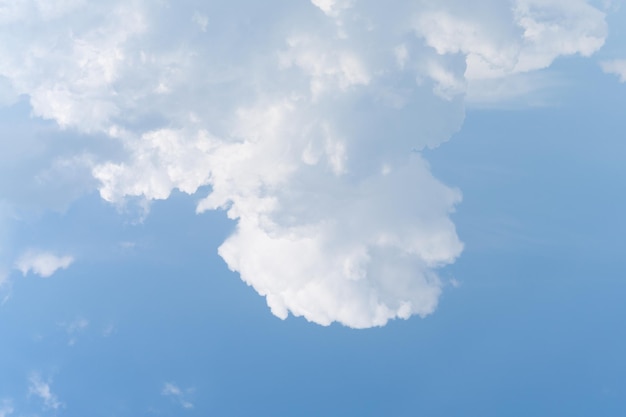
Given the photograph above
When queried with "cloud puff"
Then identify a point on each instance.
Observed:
(304, 119)
(42, 263)
(173, 391)
(615, 67)
(41, 389)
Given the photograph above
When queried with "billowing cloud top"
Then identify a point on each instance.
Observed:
(305, 119)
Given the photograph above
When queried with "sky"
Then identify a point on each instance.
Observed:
(316, 208)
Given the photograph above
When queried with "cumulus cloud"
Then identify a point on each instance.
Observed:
(41, 263)
(174, 392)
(41, 389)
(305, 120)
(615, 67)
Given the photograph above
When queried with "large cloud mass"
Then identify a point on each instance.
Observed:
(306, 119)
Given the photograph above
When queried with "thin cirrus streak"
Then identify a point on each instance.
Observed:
(306, 119)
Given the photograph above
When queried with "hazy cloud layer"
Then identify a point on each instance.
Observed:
(306, 120)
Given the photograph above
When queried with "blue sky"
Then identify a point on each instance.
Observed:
(429, 197)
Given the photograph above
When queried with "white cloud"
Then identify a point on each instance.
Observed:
(305, 122)
(42, 263)
(332, 7)
(173, 391)
(349, 260)
(41, 389)
(498, 39)
(615, 67)
(502, 40)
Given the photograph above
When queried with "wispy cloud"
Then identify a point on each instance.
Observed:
(108, 330)
(41, 389)
(174, 392)
(5, 287)
(42, 263)
(6, 408)
(526, 89)
(73, 328)
(201, 20)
